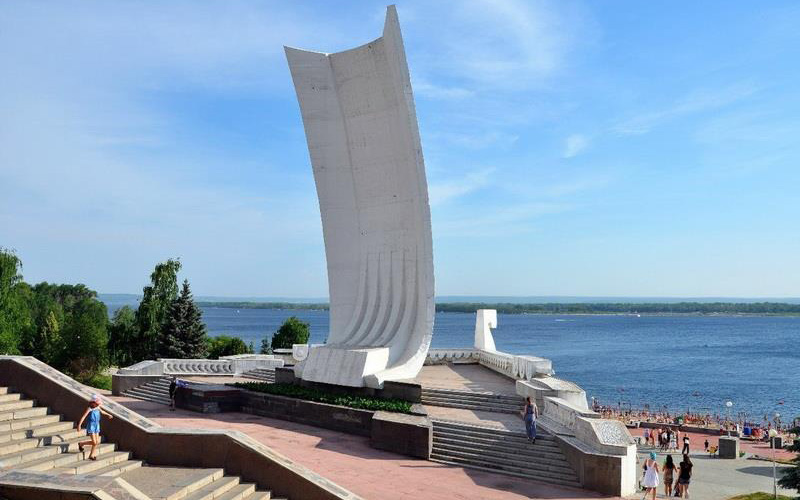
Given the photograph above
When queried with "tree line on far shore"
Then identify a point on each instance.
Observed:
(763, 308)
(67, 327)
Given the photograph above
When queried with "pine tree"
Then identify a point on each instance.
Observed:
(791, 477)
(185, 334)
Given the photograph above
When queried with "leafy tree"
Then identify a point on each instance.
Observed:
(791, 477)
(266, 346)
(122, 335)
(153, 313)
(292, 331)
(224, 345)
(185, 334)
(15, 317)
(84, 337)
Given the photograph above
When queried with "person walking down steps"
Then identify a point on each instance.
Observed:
(93, 412)
(651, 481)
(530, 414)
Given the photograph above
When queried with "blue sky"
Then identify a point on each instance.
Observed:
(572, 148)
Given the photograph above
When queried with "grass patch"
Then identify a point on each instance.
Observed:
(99, 381)
(316, 395)
(760, 496)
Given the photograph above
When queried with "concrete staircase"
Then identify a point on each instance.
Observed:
(156, 391)
(38, 445)
(482, 401)
(501, 451)
(261, 375)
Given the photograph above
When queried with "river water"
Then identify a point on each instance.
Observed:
(681, 362)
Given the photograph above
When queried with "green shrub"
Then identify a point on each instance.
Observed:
(99, 381)
(292, 331)
(226, 346)
(308, 394)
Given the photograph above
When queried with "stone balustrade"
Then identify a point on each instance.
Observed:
(440, 356)
(227, 366)
(516, 367)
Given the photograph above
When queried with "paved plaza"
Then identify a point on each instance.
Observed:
(350, 461)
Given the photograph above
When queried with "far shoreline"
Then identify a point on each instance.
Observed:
(688, 309)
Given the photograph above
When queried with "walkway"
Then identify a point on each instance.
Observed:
(351, 462)
(466, 377)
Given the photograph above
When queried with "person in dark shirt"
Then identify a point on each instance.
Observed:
(172, 386)
(685, 476)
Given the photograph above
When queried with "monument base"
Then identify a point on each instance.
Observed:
(728, 447)
(341, 365)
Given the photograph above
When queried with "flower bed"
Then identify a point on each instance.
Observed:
(316, 395)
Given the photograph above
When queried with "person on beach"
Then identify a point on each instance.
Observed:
(669, 475)
(92, 426)
(646, 436)
(706, 445)
(529, 414)
(673, 442)
(650, 482)
(685, 443)
(685, 476)
(173, 384)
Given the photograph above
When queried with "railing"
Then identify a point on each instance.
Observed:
(516, 367)
(229, 366)
(439, 356)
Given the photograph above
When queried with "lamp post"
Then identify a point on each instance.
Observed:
(772, 434)
(729, 404)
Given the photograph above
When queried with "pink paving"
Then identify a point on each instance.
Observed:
(756, 448)
(351, 462)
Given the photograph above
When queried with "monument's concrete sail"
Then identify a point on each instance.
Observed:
(361, 127)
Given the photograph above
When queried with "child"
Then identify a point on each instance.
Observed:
(93, 425)
(706, 444)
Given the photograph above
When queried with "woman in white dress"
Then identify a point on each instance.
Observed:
(651, 480)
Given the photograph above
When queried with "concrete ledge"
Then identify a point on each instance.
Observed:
(392, 389)
(333, 417)
(409, 435)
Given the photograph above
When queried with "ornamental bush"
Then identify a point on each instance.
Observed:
(316, 395)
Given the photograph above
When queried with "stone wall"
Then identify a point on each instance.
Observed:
(409, 435)
(236, 452)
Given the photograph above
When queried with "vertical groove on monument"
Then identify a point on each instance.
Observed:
(361, 128)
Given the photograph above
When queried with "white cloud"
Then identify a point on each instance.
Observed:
(442, 192)
(695, 102)
(574, 145)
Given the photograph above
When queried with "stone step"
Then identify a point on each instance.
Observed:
(10, 406)
(499, 403)
(531, 450)
(262, 495)
(557, 464)
(488, 407)
(45, 429)
(499, 439)
(487, 430)
(144, 389)
(11, 396)
(215, 489)
(472, 394)
(40, 440)
(117, 468)
(59, 456)
(28, 422)
(23, 413)
(549, 479)
(5, 390)
(88, 466)
(238, 492)
(520, 466)
(138, 393)
(171, 483)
